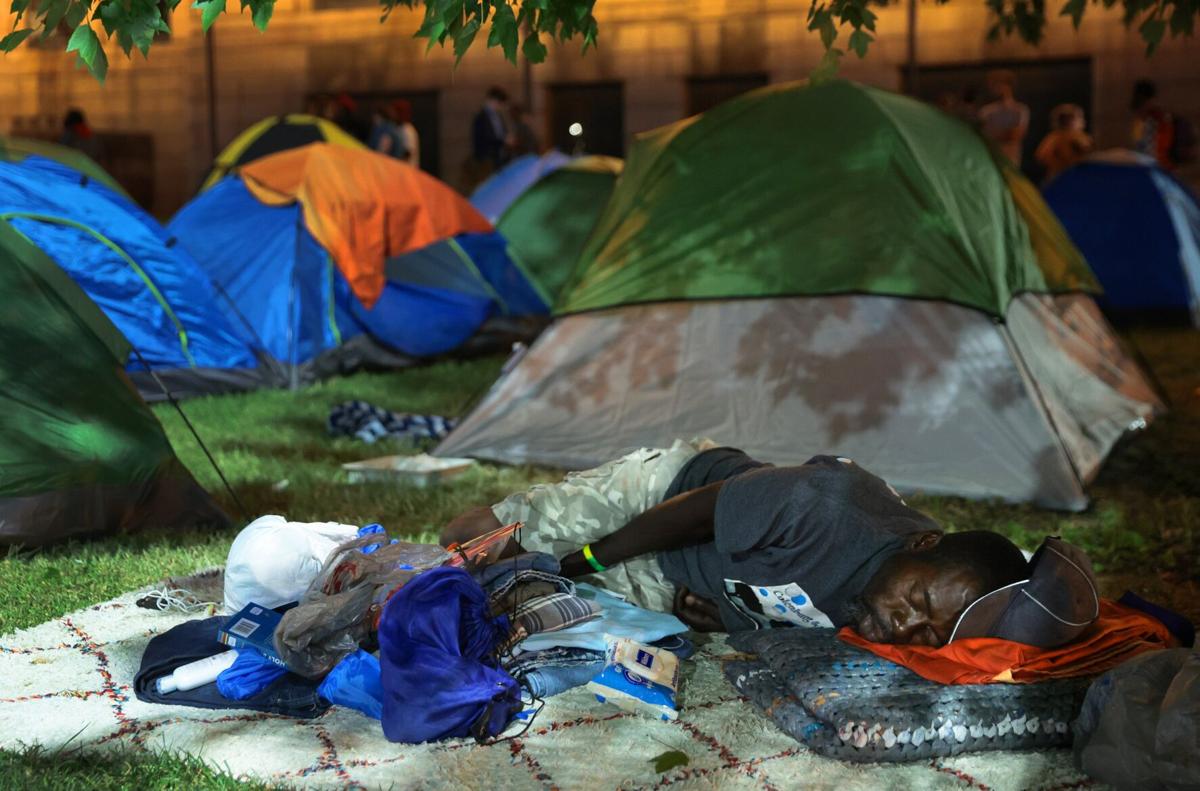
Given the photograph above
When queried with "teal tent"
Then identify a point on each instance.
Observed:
(82, 455)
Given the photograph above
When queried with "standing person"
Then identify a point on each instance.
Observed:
(393, 134)
(525, 140)
(1005, 121)
(349, 116)
(1169, 139)
(77, 134)
(410, 141)
(1066, 143)
(490, 134)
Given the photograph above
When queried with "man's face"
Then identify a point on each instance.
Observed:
(913, 602)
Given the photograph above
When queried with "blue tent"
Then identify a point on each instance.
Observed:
(1138, 227)
(496, 194)
(301, 308)
(124, 260)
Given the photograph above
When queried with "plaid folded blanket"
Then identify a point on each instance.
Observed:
(554, 612)
(371, 423)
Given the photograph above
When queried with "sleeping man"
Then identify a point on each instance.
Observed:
(729, 543)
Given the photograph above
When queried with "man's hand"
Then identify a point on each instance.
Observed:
(699, 613)
(575, 565)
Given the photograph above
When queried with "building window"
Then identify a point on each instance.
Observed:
(704, 93)
(587, 117)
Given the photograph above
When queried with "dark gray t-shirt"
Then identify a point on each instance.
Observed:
(792, 545)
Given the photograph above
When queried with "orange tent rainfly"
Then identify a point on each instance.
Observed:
(1119, 634)
(362, 207)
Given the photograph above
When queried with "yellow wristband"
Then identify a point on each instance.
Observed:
(591, 559)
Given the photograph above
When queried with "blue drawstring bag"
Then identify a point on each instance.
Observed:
(249, 675)
(355, 683)
(439, 681)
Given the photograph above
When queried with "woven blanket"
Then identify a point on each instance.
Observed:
(846, 703)
(68, 680)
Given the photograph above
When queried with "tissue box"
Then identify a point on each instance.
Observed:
(253, 627)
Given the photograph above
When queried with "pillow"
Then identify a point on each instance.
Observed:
(843, 702)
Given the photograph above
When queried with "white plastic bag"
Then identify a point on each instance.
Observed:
(273, 561)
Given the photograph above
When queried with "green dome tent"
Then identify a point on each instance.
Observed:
(826, 269)
(80, 453)
(548, 225)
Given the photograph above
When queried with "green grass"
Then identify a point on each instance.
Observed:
(35, 769)
(274, 450)
(1142, 531)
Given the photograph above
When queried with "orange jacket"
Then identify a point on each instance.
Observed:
(1120, 633)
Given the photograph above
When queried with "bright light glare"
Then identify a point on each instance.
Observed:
(575, 129)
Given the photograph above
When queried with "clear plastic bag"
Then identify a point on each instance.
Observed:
(1140, 723)
(341, 607)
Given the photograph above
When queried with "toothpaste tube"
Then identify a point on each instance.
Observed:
(638, 678)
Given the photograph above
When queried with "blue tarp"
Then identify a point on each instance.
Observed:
(121, 257)
(1139, 229)
(496, 194)
(289, 290)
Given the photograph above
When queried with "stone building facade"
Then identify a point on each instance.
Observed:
(657, 60)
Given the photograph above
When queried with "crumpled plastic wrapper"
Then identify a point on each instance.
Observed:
(341, 607)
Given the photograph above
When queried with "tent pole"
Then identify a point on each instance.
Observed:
(211, 78)
(912, 77)
(527, 85)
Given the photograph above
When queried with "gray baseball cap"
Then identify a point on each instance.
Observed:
(1049, 609)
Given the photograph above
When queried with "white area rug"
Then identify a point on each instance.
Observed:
(71, 680)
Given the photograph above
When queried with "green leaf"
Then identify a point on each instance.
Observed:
(76, 13)
(822, 22)
(211, 10)
(85, 42)
(504, 32)
(590, 31)
(1183, 19)
(450, 10)
(433, 28)
(859, 41)
(1074, 9)
(134, 23)
(14, 39)
(533, 49)
(261, 11)
(464, 38)
(669, 760)
(55, 11)
(1152, 31)
(827, 69)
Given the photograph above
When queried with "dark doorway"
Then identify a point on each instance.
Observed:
(129, 157)
(425, 118)
(1041, 85)
(704, 93)
(595, 110)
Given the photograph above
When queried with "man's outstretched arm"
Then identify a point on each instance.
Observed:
(684, 520)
